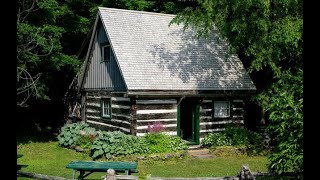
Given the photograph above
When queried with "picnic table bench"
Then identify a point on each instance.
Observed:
(100, 166)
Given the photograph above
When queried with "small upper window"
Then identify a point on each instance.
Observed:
(106, 108)
(106, 52)
(221, 109)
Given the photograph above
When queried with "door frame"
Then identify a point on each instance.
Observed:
(195, 106)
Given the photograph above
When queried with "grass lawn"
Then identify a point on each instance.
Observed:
(48, 158)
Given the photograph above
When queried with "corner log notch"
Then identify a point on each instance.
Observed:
(133, 114)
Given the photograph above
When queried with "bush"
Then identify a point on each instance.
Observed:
(238, 135)
(116, 143)
(216, 139)
(71, 133)
(161, 143)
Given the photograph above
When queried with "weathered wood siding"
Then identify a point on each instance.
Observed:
(120, 119)
(149, 111)
(209, 124)
(103, 75)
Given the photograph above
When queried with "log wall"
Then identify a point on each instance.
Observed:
(120, 118)
(149, 111)
(210, 124)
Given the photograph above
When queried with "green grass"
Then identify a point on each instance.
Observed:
(211, 167)
(47, 157)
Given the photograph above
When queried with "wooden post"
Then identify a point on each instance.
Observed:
(133, 115)
(111, 175)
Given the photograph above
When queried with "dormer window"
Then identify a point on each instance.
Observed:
(105, 52)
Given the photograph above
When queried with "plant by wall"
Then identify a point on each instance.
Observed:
(116, 143)
(236, 136)
(161, 143)
(216, 139)
(75, 134)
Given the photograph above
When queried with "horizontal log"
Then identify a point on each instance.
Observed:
(160, 101)
(115, 106)
(174, 128)
(93, 104)
(121, 116)
(108, 126)
(121, 111)
(112, 122)
(205, 113)
(121, 103)
(39, 176)
(211, 130)
(157, 116)
(93, 114)
(165, 126)
(120, 99)
(156, 111)
(155, 106)
(205, 118)
(206, 105)
(165, 121)
(218, 122)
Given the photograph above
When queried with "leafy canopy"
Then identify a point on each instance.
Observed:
(267, 36)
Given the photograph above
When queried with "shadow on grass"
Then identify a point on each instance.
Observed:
(44, 136)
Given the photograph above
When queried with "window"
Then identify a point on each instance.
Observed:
(106, 52)
(221, 109)
(106, 108)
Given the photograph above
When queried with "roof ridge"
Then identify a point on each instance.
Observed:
(136, 11)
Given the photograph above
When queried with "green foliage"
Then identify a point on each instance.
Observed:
(144, 176)
(75, 134)
(267, 36)
(116, 143)
(286, 122)
(216, 139)
(177, 144)
(39, 50)
(46, 157)
(237, 135)
(161, 143)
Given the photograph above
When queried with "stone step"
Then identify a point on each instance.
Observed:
(200, 153)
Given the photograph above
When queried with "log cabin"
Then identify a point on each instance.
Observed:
(139, 70)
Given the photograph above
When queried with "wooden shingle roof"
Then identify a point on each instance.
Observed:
(152, 55)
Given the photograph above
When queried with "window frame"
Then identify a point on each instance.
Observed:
(103, 46)
(103, 114)
(228, 108)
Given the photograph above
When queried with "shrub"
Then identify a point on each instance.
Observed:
(177, 144)
(216, 139)
(238, 135)
(256, 144)
(161, 143)
(71, 133)
(116, 143)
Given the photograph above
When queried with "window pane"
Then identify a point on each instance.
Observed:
(221, 109)
(106, 111)
(106, 53)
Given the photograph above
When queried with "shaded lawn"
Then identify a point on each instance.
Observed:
(211, 167)
(50, 159)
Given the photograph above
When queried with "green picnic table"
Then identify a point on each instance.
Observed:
(101, 166)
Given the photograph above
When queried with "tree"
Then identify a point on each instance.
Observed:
(267, 36)
(39, 50)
